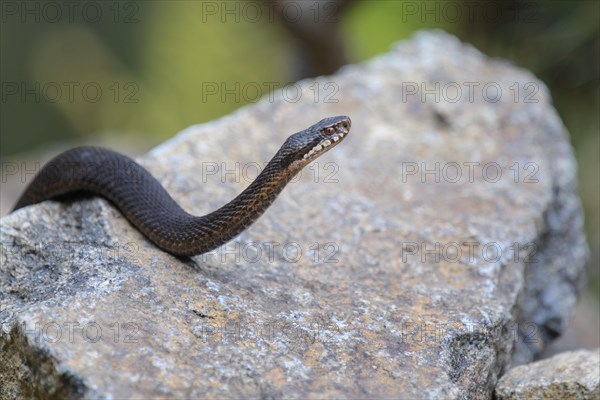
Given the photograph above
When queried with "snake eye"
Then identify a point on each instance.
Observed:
(329, 130)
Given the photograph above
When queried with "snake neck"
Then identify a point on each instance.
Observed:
(230, 220)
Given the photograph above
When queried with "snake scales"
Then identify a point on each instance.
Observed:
(148, 206)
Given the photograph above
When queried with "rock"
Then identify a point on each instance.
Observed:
(368, 277)
(568, 375)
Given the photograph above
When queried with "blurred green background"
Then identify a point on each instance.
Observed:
(135, 69)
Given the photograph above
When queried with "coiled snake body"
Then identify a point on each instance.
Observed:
(148, 206)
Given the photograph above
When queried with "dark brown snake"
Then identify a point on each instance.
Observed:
(148, 206)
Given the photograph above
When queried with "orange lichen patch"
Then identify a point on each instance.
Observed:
(276, 376)
(315, 356)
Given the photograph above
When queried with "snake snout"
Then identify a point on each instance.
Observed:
(344, 125)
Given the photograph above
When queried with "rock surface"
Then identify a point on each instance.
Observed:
(569, 375)
(370, 276)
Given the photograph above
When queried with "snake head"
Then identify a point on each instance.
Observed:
(303, 147)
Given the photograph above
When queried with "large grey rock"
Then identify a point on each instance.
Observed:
(362, 280)
(568, 375)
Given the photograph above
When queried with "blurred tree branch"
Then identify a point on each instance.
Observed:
(316, 27)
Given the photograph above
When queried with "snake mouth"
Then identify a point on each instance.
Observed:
(340, 130)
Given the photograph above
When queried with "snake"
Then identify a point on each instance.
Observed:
(147, 205)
